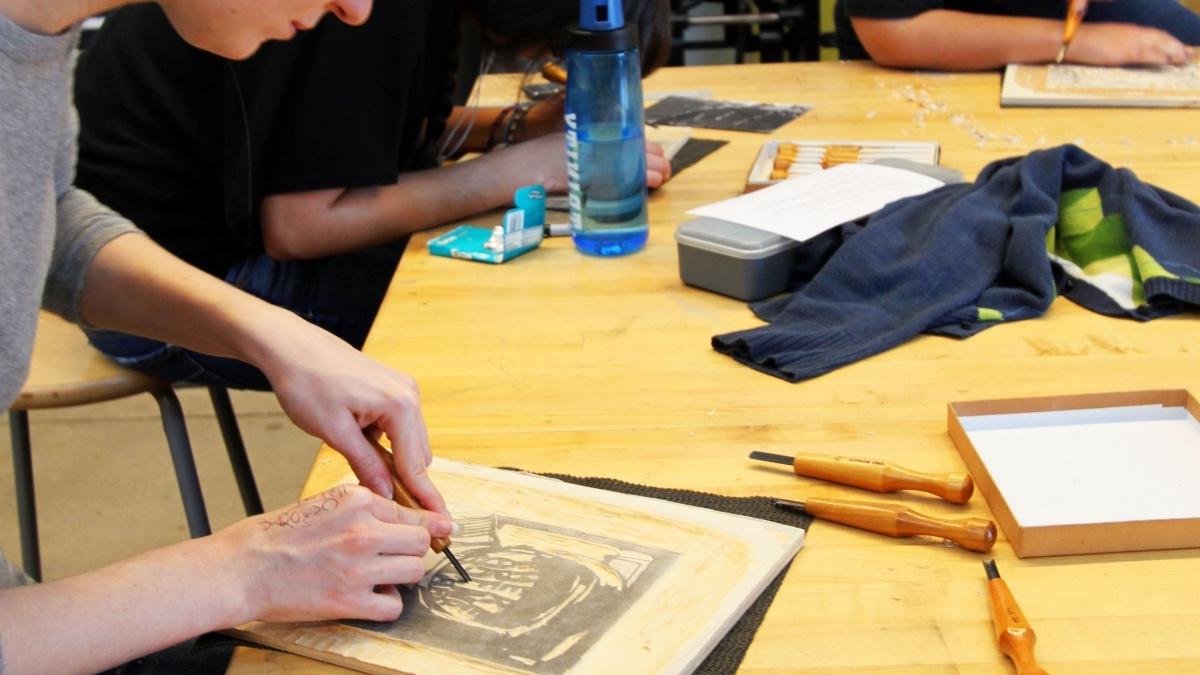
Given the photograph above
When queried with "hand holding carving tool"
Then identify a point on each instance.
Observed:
(876, 476)
(1075, 11)
(1013, 632)
(403, 498)
(894, 520)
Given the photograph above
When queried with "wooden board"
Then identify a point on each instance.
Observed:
(1069, 496)
(567, 579)
(1068, 85)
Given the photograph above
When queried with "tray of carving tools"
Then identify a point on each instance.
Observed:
(781, 159)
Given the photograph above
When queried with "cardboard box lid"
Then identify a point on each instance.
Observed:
(1056, 483)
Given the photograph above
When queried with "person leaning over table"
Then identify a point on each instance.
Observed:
(298, 174)
(979, 34)
(60, 247)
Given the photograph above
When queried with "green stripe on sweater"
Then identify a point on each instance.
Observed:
(1099, 244)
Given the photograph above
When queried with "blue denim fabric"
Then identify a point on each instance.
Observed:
(1167, 15)
(340, 294)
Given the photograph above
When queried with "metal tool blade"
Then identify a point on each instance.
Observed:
(462, 572)
(771, 457)
(790, 505)
(990, 568)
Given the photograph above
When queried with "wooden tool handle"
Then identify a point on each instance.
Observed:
(554, 72)
(401, 495)
(1013, 632)
(883, 477)
(1075, 11)
(894, 520)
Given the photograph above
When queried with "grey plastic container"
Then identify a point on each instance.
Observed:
(735, 260)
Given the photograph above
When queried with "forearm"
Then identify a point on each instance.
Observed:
(99, 619)
(135, 286)
(335, 555)
(478, 123)
(485, 127)
(950, 40)
(318, 224)
(325, 386)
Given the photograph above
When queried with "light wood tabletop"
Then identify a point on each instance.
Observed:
(556, 362)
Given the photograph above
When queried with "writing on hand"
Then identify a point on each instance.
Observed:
(303, 513)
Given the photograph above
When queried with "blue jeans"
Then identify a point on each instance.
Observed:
(1167, 15)
(340, 294)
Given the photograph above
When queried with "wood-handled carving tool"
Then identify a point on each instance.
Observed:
(554, 72)
(1075, 11)
(894, 520)
(1013, 632)
(403, 498)
(876, 476)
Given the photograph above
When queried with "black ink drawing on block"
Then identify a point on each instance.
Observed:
(540, 595)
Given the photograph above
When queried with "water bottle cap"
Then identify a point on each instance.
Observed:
(601, 15)
(620, 40)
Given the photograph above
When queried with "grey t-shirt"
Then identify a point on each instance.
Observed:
(49, 231)
(11, 575)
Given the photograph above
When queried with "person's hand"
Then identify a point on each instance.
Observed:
(1122, 44)
(658, 167)
(546, 156)
(333, 392)
(333, 556)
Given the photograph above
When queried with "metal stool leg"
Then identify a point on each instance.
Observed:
(31, 556)
(185, 463)
(242, 472)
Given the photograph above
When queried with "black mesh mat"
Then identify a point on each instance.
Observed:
(729, 652)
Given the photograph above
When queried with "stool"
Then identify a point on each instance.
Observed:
(66, 371)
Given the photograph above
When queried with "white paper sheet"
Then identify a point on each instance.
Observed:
(802, 208)
(1055, 473)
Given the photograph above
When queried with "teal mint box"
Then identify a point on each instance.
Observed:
(522, 231)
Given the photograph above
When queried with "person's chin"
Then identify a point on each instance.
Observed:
(235, 49)
(286, 32)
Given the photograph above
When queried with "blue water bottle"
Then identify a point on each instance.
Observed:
(606, 147)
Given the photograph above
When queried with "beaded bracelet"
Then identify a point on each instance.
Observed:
(493, 140)
(516, 122)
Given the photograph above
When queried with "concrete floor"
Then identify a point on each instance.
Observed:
(104, 483)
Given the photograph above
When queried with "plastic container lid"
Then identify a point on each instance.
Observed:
(731, 239)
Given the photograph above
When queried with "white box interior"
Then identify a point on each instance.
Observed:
(1099, 465)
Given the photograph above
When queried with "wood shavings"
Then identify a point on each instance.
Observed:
(928, 106)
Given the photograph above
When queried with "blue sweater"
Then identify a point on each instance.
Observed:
(968, 256)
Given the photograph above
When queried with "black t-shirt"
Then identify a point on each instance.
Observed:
(849, 46)
(186, 144)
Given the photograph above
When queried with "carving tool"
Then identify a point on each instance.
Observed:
(874, 475)
(554, 72)
(1013, 632)
(1075, 11)
(403, 498)
(895, 520)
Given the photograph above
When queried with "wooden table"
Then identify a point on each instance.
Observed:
(564, 363)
